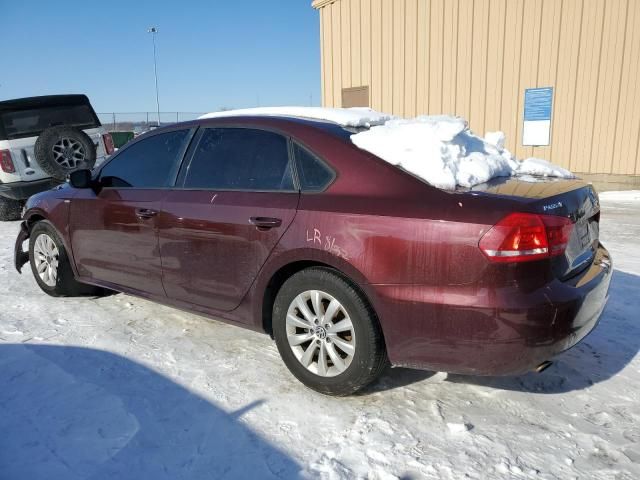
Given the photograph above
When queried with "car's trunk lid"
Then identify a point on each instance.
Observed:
(574, 199)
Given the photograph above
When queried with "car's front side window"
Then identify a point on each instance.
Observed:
(149, 163)
(240, 159)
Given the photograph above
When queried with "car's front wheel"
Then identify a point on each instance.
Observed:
(50, 264)
(326, 333)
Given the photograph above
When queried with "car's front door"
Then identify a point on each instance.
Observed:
(114, 228)
(234, 199)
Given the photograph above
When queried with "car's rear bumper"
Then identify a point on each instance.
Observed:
(23, 190)
(489, 331)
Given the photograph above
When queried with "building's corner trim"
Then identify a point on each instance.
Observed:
(321, 3)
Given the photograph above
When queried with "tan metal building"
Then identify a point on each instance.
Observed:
(476, 59)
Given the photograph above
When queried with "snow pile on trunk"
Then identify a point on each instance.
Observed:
(443, 151)
(544, 168)
(347, 117)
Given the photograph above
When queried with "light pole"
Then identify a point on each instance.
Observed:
(153, 31)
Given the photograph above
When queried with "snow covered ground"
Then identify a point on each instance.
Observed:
(118, 387)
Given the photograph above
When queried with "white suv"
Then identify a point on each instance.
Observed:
(42, 140)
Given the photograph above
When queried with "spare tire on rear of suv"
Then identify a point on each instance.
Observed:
(62, 150)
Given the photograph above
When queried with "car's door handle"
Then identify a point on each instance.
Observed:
(265, 222)
(145, 213)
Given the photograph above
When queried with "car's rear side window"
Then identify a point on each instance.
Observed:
(149, 163)
(240, 159)
(313, 174)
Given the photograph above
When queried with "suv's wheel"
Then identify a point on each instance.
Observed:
(50, 264)
(10, 209)
(61, 150)
(326, 333)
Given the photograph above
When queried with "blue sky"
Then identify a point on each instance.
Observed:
(211, 54)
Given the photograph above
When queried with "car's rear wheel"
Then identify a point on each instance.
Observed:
(326, 332)
(50, 264)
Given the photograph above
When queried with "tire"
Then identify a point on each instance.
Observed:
(10, 209)
(63, 283)
(350, 372)
(62, 150)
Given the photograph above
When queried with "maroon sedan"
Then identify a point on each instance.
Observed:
(282, 225)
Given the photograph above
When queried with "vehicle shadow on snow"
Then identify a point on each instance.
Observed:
(396, 377)
(68, 412)
(607, 350)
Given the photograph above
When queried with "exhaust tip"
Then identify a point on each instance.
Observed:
(543, 366)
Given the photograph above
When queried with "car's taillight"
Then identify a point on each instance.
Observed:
(108, 143)
(520, 237)
(6, 162)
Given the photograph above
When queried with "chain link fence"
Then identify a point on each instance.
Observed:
(141, 121)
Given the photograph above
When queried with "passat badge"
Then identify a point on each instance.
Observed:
(552, 206)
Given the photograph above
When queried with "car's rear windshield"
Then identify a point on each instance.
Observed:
(339, 130)
(30, 122)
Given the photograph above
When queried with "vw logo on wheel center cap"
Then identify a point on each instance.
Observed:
(320, 332)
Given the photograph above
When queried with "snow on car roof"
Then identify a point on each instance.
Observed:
(346, 117)
(439, 149)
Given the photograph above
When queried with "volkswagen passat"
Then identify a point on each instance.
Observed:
(282, 225)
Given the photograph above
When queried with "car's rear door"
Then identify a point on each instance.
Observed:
(234, 199)
(114, 229)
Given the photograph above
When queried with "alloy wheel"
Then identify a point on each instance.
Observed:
(45, 257)
(320, 333)
(68, 153)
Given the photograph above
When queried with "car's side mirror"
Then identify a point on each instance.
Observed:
(80, 178)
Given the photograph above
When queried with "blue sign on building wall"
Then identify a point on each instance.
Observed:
(537, 116)
(537, 104)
